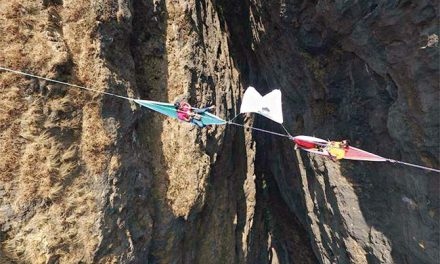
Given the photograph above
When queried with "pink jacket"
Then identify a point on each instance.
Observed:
(183, 112)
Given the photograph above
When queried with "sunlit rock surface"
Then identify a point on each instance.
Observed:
(87, 178)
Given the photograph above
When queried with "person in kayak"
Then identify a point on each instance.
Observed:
(191, 114)
(337, 149)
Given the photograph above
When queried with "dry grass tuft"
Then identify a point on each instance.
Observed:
(94, 139)
(54, 217)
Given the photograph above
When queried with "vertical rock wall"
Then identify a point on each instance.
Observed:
(367, 72)
(86, 178)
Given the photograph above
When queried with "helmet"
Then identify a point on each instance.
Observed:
(176, 105)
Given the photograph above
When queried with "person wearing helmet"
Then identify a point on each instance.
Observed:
(191, 114)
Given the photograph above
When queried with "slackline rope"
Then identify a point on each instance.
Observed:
(119, 96)
(65, 83)
(227, 122)
(258, 129)
(412, 165)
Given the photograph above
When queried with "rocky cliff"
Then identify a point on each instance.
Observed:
(87, 178)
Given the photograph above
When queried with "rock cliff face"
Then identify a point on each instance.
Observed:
(87, 178)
